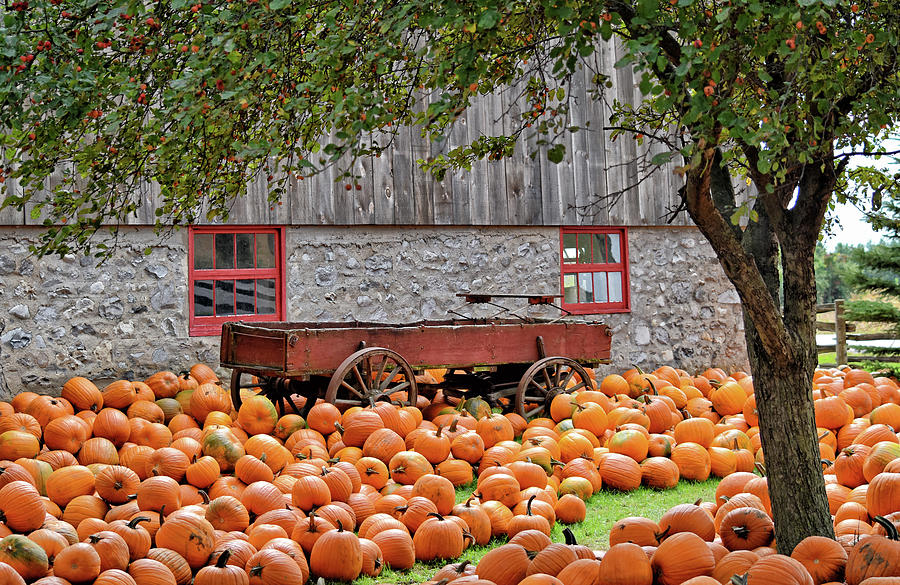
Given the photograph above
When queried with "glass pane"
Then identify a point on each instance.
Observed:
(203, 298)
(224, 297)
(600, 295)
(615, 287)
(224, 251)
(570, 290)
(265, 250)
(265, 296)
(245, 297)
(568, 248)
(615, 253)
(585, 288)
(244, 250)
(203, 251)
(584, 248)
(600, 249)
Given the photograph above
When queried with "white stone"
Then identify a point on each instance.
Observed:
(729, 297)
(97, 287)
(642, 335)
(20, 311)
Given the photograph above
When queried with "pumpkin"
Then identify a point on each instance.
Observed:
(273, 567)
(876, 556)
(78, 563)
(397, 548)
(779, 569)
(680, 557)
(150, 572)
(625, 564)
(24, 555)
(21, 507)
(505, 565)
(189, 535)
(112, 548)
(824, 558)
(135, 536)
(222, 573)
(337, 554)
(438, 538)
(688, 518)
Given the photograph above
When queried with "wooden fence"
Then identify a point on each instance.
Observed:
(844, 332)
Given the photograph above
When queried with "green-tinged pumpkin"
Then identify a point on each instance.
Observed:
(25, 556)
(220, 443)
(477, 407)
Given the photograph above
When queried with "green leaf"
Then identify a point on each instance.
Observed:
(279, 4)
(556, 153)
(489, 19)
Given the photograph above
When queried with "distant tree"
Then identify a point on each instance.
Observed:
(877, 270)
(832, 272)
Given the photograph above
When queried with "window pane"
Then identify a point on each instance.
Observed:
(265, 296)
(585, 288)
(245, 297)
(203, 251)
(584, 248)
(600, 249)
(569, 253)
(265, 250)
(570, 290)
(244, 250)
(615, 253)
(600, 295)
(224, 251)
(615, 287)
(203, 298)
(224, 297)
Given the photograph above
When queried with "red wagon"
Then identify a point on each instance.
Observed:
(519, 364)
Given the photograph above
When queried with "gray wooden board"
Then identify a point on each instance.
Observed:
(11, 215)
(478, 177)
(401, 163)
(625, 93)
(459, 179)
(498, 204)
(523, 174)
(423, 184)
(595, 117)
(385, 199)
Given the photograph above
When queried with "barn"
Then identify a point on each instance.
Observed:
(397, 246)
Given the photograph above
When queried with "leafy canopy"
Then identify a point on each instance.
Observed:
(100, 97)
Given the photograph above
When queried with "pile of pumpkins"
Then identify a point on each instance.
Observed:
(164, 482)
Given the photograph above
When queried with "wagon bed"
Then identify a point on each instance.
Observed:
(513, 363)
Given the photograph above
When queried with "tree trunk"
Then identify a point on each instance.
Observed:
(781, 344)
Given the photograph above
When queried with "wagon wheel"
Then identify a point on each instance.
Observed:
(545, 379)
(371, 374)
(273, 388)
(241, 379)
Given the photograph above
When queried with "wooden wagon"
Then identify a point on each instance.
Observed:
(518, 364)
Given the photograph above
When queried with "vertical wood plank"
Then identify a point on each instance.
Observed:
(625, 93)
(385, 197)
(595, 118)
(423, 184)
(363, 189)
(577, 201)
(401, 161)
(523, 175)
(11, 215)
(492, 116)
(459, 179)
(480, 195)
(615, 170)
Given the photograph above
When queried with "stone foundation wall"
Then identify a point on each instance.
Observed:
(128, 318)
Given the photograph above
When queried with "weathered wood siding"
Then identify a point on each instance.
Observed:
(519, 190)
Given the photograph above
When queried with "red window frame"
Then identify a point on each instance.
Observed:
(212, 325)
(624, 306)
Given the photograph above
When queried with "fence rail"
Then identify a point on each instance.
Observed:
(844, 332)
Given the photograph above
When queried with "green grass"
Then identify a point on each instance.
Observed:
(603, 510)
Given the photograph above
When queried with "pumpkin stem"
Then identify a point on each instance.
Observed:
(94, 538)
(452, 427)
(556, 463)
(469, 501)
(528, 505)
(223, 559)
(340, 525)
(570, 536)
(461, 567)
(162, 514)
(826, 462)
(437, 433)
(760, 468)
(739, 579)
(741, 531)
(134, 521)
(402, 509)
(468, 535)
(888, 526)
(698, 501)
(204, 496)
(435, 515)
(339, 427)
(653, 387)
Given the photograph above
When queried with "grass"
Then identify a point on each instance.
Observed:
(603, 510)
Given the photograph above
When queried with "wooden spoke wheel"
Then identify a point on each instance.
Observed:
(545, 379)
(371, 374)
(276, 389)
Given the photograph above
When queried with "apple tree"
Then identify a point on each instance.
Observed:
(199, 96)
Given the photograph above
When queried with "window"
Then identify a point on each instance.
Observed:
(234, 274)
(595, 270)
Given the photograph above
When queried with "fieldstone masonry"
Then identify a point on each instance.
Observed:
(128, 317)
